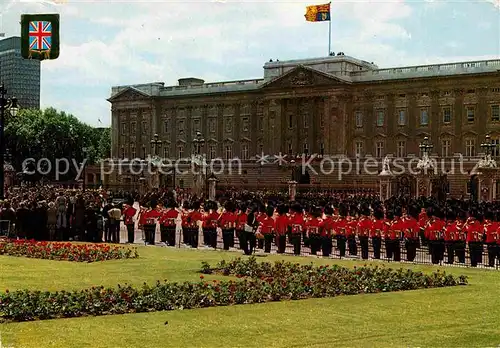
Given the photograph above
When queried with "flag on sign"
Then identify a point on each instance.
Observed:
(40, 36)
(318, 13)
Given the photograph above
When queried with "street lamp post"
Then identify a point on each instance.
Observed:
(488, 146)
(199, 143)
(6, 104)
(425, 146)
(155, 145)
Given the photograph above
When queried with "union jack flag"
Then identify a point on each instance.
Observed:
(40, 35)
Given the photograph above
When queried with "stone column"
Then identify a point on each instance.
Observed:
(212, 182)
(385, 186)
(423, 185)
(292, 189)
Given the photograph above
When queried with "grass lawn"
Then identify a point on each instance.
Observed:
(467, 316)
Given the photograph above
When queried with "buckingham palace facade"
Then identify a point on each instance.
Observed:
(336, 106)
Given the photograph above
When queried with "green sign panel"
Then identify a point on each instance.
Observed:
(40, 36)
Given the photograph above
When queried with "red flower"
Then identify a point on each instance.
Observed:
(202, 276)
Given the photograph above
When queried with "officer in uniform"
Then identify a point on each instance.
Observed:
(364, 228)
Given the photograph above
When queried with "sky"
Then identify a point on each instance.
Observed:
(107, 43)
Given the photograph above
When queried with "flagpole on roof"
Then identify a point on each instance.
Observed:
(330, 31)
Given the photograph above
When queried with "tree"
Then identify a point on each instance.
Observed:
(104, 150)
(51, 135)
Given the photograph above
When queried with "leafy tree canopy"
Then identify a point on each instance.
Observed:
(53, 135)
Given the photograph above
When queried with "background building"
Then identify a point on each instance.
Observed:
(332, 106)
(20, 76)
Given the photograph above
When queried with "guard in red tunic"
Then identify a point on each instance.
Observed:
(341, 229)
(411, 233)
(436, 235)
(312, 228)
(210, 223)
(388, 240)
(491, 229)
(267, 227)
(327, 231)
(450, 235)
(150, 221)
(422, 221)
(378, 230)
(260, 217)
(169, 223)
(281, 228)
(194, 219)
(296, 226)
(351, 229)
(364, 228)
(396, 233)
(241, 220)
(185, 214)
(227, 223)
(475, 235)
(128, 218)
(461, 242)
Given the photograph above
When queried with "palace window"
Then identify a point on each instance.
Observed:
(447, 114)
(322, 149)
(229, 152)
(321, 120)
(359, 119)
(144, 127)
(380, 118)
(290, 120)
(165, 126)
(180, 127)
(424, 117)
(132, 128)
(211, 125)
(306, 149)
(445, 148)
(261, 123)
(470, 114)
(470, 147)
(495, 152)
(261, 149)
(305, 117)
(495, 113)
(401, 149)
(290, 149)
(133, 152)
(229, 125)
(379, 149)
(358, 150)
(180, 151)
(401, 117)
(196, 127)
(122, 152)
(212, 152)
(166, 152)
(244, 124)
(124, 128)
(244, 152)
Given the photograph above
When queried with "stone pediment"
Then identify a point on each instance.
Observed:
(302, 76)
(128, 94)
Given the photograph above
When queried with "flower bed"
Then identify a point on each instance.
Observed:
(262, 282)
(66, 251)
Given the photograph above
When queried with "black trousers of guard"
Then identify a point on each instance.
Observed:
(149, 233)
(260, 243)
(305, 239)
(268, 241)
(459, 248)
(210, 237)
(492, 254)
(315, 243)
(163, 234)
(193, 237)
(353, 247)
(411, 249)
(186, 235)
(436, 248)
(238, 236)
(363, 243)
(130, 233)
(227, 238)
(281, 243)
(450, 251)
(170, 235)
(326, 245)
(389, 248)
(396, 249)
(341, 244)
(422, 238)
(296, 242)
(248, 241)
(476, 253)
(377, 244)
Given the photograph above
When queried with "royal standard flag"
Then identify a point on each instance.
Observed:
(40, 36)
(318, 13)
